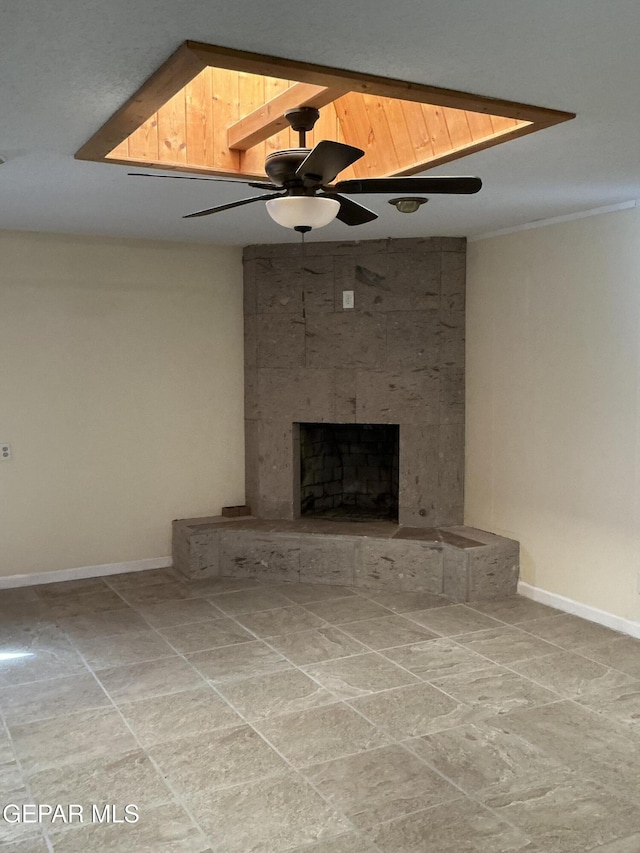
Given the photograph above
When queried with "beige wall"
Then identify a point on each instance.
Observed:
(121, 393)
(553, 433)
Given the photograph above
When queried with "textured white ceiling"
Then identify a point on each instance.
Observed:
(66, 66)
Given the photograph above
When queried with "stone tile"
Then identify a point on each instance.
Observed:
(345, 387)
(141, 580)
(206, 587)
(283, 620)
(151, 678)
(622, 654)
(570, 816)
(280, 693)
(349, 609)
(250, 601)
(103, 624)
(386, 632)
(78, 604)
(170, 613)
(451, 828)
(199, 636)
(34, 844)
(166, 828)
(571, 675)
(570, 632)
(397, 396)
(305, 593)
(413, 338)
(419, 472)
(122, 649)
(223, 758)
(307, 395)
(506, 645)
(306, 647)
(359, 675)
(631, 844)
(280, 340)
(514, 610)
(139, 596)
(68, 739)
(414, 710)
(328, 560)
(39, 651)
(399, 565)
(41, 699)
(350, 339)
(403, 281)
(379, 785)
(493, 570)
(454, 620)
(267, 816)
(121, 779)
(496, 689)
(232, 663)
(452, 280)
(352, 843)
(278, 287)
(455, 569)
(63, 589)
(620, 702)
(188, 713)
(437, 658)
(254, 555)
(480, 757)
(321, 734)
(404, 602)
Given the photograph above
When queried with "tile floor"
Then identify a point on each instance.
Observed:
(249, 718)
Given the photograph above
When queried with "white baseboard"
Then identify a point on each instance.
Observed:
(84, 572)
(568, 605)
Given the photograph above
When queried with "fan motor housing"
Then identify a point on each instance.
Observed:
(281, 166)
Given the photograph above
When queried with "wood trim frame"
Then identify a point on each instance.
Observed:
(192, 57)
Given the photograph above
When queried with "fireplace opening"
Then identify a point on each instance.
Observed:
(349, 471)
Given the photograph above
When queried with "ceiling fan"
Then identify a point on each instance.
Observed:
(301, 195)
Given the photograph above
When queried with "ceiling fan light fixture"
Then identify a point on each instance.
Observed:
(303, 212)
(407, 204)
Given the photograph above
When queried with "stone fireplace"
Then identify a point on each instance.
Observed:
(396, 358)
(348, 471)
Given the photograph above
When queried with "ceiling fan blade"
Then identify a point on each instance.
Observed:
(351, 212)
(233, 204)
(256, 184)
(455, 185)
(326, 161)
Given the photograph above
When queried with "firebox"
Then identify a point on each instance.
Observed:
(349, 471)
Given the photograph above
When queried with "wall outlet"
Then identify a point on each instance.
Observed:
(347, 298)
(5, 452)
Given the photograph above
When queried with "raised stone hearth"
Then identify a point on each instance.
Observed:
(460, 562)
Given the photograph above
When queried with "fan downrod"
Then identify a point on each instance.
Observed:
(302, 120)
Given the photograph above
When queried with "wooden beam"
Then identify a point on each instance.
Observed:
(269, 118)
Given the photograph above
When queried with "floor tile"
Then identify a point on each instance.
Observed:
(620, 703)
(305, 593)
(359, 675)
(204, 587)
(270, 695)
(141, 580)
(352, 843)
(199, 636)
(184, 714)
(267, 816)
(169, 613)
(631, 844)
(568, 817)
(387, 631)
(506, 644)
(284, 620)
(62, 589)
(143, 596)
(348, 609)
(165, 829)
(232, 663)
(513, 610)
(221, 759)
(570, 632)
(151, 678)
(122, 649)
(569, 674)
(496, 689)
(79, 604)
(480, 757)
(306, 647)
(451, 828)
(103, 624)
(403, 602)
(32, 845)
(249, 601)
(415, 710)
(380, 784)
(453, 620)
(622, 654)
(70, 739)
(436, 658)
(36, 653)
(310, 737)
(36, 701)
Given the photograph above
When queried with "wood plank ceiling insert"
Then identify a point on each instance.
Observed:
(219, 111)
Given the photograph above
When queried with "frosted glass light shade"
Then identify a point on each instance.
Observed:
(303, 211)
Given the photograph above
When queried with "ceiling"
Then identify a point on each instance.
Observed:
(67, 66)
